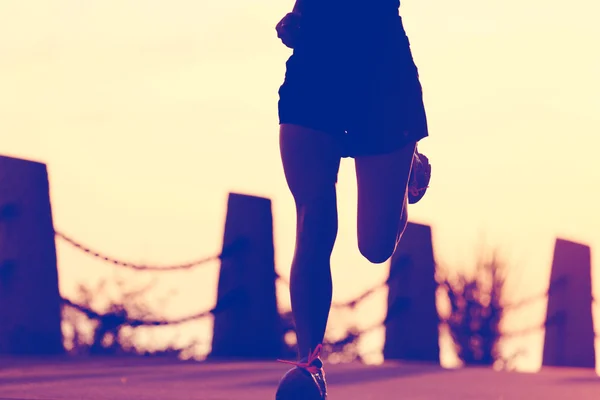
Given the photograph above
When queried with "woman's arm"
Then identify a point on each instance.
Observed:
(288, 27)
(298, 7)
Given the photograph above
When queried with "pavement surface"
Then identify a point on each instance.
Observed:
(162, 379)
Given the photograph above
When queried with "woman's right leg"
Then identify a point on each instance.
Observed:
(311, 162)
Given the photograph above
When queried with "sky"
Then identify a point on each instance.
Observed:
(148, 113)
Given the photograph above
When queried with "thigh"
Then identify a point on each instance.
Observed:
(382, 183)
(311, 160)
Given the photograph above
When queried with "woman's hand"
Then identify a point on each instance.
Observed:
(288, 29)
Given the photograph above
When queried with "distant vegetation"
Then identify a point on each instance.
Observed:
(111, 332)
(476, 310)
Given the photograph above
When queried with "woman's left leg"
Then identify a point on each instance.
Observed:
(382, 182)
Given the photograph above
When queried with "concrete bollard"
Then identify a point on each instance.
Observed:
(569, 322)
(30, 309)
(247, 323)
(412, 332)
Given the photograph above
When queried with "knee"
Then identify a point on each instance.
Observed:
(377, 252)
(377, 243)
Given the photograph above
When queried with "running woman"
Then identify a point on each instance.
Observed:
(351, 89)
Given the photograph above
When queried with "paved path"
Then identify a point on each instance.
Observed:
(155, 379)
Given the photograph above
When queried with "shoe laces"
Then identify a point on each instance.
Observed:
(309, 363)
(415, 191)
(413, 188)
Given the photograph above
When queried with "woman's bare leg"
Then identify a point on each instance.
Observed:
(382, 201)
(311, 161)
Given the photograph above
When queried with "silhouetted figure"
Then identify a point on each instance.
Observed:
(351, 90)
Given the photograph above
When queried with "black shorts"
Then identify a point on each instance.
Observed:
(358, 83)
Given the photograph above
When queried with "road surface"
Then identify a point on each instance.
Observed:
(162, 379)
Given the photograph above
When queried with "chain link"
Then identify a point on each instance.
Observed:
(353, 303)
(120, 317)
(137, 267)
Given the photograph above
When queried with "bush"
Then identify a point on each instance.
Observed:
(476, 311)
